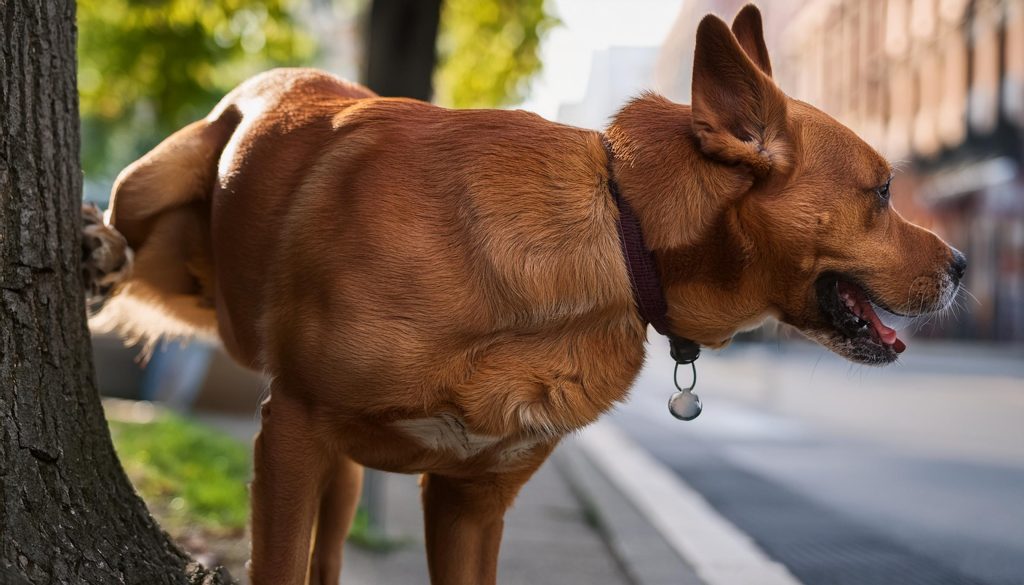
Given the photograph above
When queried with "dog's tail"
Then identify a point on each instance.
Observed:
(160, 204)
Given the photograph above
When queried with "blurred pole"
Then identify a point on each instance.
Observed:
(401, 52)
(402, 47)
(374, 503)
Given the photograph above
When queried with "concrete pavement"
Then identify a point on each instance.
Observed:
(548, 539)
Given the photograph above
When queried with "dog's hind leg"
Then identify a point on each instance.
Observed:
(161, 205)
(180, 170)
(106, 257)
(337, 510)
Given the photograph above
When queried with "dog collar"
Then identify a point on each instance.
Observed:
(650, 297)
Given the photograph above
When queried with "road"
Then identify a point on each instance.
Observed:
(911, 474)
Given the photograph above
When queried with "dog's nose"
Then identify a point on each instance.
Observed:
(958, 266)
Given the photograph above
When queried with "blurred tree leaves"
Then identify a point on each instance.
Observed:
(148, 67)
(488, 51)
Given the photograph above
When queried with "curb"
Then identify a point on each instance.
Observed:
(639, 549)
(707, 548)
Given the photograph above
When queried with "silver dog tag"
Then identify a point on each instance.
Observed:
(685, 405)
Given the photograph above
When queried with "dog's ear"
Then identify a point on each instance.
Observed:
(750, 34)
(739, 114)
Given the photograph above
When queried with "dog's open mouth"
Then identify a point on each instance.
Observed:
(855, 317)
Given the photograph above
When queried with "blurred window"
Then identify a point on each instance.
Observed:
(952, 115)
(1013, 84)
(984, 98)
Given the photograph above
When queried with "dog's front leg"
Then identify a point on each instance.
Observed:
(337, 510)
(289, 472)
(464, 518)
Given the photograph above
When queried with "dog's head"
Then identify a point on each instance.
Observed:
(810, 236)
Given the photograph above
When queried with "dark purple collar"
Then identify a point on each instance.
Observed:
(643, 274)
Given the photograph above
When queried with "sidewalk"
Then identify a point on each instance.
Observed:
(547, 540)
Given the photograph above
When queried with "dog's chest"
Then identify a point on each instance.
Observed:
(448, 434)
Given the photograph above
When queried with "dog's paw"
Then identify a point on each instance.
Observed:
(106, 257)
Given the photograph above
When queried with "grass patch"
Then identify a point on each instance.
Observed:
(194, 479)
(362, 536)
(189, 474)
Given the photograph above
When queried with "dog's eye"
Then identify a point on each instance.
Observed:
(883, 192)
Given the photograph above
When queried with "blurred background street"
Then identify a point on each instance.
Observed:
(911, 474)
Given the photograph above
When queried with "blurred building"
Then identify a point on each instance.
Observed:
(937, 86)
(617, 74)
(674, 67)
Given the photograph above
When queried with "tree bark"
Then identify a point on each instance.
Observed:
(68, 513)
(401, 47)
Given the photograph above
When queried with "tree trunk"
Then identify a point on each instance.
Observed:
(67, 511)
(401, 47)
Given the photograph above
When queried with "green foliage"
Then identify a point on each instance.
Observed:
(188, 474)
(148, 67)
(192, 476)
(488, 51)
(362, 536)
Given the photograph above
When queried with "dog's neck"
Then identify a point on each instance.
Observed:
(679, 196)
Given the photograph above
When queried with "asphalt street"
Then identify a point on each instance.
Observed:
(911, 474)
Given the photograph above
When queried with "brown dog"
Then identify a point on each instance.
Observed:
(443, 292)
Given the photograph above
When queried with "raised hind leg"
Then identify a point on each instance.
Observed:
(106, 257)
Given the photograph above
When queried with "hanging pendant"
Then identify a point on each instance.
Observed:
(685, 405)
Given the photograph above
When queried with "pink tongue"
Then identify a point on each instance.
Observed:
(899, 346)
(886, 334)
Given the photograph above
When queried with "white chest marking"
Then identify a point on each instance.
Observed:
(446, 432)
(511, 455)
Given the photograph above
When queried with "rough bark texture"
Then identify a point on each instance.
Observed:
(401, 48)
(67, 512)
